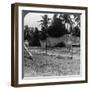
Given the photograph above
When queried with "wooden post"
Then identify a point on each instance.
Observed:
(27, 51)
(46, 46)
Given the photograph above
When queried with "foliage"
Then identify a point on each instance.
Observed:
(44, 21)
(31, 35)
(57, 29)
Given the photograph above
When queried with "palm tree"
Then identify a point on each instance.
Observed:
(54, 19)
(44, 25)
(44, 21)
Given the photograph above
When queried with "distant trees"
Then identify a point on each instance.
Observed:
(31, 35)
(44, 26)
(75, 24)
(53, 27)
(26, 33)
(36, 37)
(44, 21)
(76, 31)
(57, 28)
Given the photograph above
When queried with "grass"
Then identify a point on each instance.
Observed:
(57, 62)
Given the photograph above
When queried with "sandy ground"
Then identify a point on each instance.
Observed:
(57, 62)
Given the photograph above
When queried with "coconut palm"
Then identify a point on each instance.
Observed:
(44, 22)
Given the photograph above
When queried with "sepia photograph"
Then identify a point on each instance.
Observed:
(50, 44)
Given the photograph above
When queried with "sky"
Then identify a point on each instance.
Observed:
(31, 19)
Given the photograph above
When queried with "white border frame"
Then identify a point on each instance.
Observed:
(52, 79)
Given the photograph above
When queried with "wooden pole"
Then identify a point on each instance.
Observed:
(46, 46)
(27, 51)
